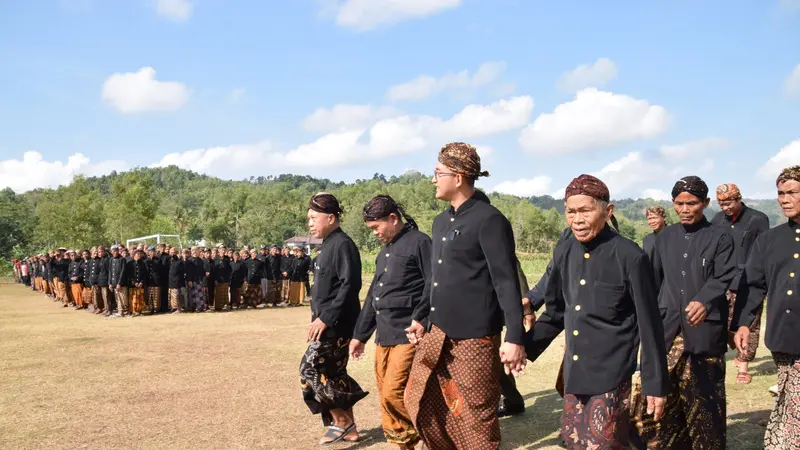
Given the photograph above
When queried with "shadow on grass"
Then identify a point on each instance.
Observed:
(763, 365)
(370, 437)
(746, 430)
(534, 429)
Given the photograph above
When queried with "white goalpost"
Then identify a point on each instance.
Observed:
(158, 238)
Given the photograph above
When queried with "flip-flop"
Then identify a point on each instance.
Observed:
(331, 433)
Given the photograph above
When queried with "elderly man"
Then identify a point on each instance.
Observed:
(118, 281)
(773, 269)
(402, 268)
(744, 224)
(656, 220)
(694, 264)
(327, 388)
(453, 389)
(601, 290)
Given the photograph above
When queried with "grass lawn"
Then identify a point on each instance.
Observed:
(224, 380)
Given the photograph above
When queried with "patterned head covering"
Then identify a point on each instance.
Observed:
(325, 203)
(463, 159)
(657, 210)
(728, 191)
(789, 173)
(691, 184)
(588, 185)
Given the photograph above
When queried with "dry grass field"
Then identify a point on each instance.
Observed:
(221, 380)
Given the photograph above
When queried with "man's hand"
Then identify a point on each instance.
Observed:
(530, 317)
(189, 283)
(731, 296)
(356, 349)
(655, 406)
(514, 358)
(315, 329)
(415, 332)
(741, 338)
(696, 313)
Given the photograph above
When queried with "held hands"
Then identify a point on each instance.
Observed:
(530, 317)
(696, 313)
(655, 406)
(514, 358)
(356, 349)
(740, 339)
(415, 332)
(315, 329)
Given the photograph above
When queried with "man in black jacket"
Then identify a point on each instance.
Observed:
(176, 280)
(694, 263)
(272, 267)
(76, 279)
(222, 278)
(154, 282)
(103, 271)
(255, 270)
(118, 281)
(238, 275)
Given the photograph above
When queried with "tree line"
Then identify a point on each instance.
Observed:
(254, 211)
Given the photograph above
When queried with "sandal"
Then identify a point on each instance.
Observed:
(332, 433)
(744, 378)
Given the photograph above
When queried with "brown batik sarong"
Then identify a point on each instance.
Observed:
(61, 291)
(453, 391)
(220, 296)
(77, 294)
(597, 421)
(86, 296)
(154, 298)
(324, 380)
(392, 367)
(783, 429)
(297, 292)
(236, 297)
(252, 294)
(121, 297)
(755, 332)
(695, 412)
(175, 295)
(285, 286)
(273, 292)
(137, 300)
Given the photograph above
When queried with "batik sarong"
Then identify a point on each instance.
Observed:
(137, 300)
(783, 429)
(252, 294)
(121, 297)
(755, 332)
(106, 299)
(285, 285)
(86, 296)
(273, 292)
(197, 297)
(154, 298)
(220, 296)
(453, 392)
(236, 297)
(324, 380)
(175, 295)
(61, 289)
(392, 367)
(46, 286)
(695, 412)
(77, 294)
(597, 421)
(297, 293)
(99, 305)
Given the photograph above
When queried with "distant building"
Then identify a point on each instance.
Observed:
(307, 242)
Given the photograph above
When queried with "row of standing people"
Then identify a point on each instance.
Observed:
(141, 280)
(439, 305)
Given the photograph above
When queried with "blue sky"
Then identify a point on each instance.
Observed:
(639, 93)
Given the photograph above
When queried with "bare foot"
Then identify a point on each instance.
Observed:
(352, 436)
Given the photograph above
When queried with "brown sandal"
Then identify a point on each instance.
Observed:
(744, 378)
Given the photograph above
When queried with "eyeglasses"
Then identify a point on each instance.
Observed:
(437, 174)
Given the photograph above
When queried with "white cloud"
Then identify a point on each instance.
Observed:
(347, 117)
(363, 15)
(134, 92)
(786, 157)
(236, 95)
(793, 81)
(656, 194)
(386, 138)
(176, 10)
(595, 119)
(790, 5)
(596, 74)
(425, 86)
(694, 148)
(34, 172)
(526, 187)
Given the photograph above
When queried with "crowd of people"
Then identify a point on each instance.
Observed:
(646, 328)
(163, 278)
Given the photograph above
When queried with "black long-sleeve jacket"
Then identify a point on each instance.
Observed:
(773, 269)
(744, 229)
(91, 271)
(154, 271)
(118, 272)
(176, 277)
(286, 266)
(395, 293)
(299, 270)
(139, 273)
(255, 270)
(222, 270)
(76, 271)
(604, 295)
(474, 287)
(337, 283)
(238, 273)
(695, 263)
(273, 267)
(103, 270)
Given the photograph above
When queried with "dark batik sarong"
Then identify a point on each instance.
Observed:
(755, 333)
(597, 421)
(324, 379)
(783, 429)
(252, 295)
(695, 413)
(453, 392)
